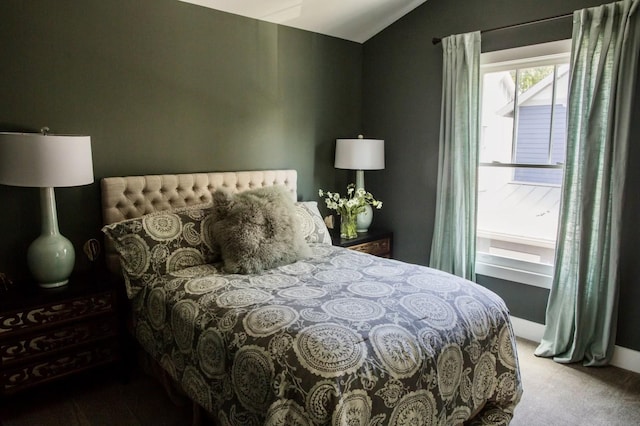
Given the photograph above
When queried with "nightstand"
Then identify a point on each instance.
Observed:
(377, 242)
(47, 334)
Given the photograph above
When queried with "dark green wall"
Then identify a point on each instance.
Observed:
(166, 87)
(402, 83)
(163, 86)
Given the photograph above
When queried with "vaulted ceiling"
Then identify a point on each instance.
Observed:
(355, 20)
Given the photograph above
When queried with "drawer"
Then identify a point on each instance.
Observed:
(380, 247)
(18, 378)
(46, 341)
(56, 313)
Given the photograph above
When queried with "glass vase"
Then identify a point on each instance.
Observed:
(348, 225)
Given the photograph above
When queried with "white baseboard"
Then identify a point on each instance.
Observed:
(527, 329)
(622, 357)
(626, 358)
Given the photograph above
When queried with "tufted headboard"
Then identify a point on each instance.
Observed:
(133, 196)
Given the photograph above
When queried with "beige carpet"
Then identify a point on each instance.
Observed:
(560, 394)
(554, 394)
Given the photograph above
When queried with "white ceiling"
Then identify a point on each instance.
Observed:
(355, 20)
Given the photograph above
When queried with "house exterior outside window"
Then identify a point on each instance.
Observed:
(522, 154)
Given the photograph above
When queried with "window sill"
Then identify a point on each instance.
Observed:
(515, 275)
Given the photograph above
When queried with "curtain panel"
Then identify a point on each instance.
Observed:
(454, 240)
(582, 309)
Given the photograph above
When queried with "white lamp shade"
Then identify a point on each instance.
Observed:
(359, 154)
(36, 160)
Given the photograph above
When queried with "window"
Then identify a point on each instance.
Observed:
(522, 154)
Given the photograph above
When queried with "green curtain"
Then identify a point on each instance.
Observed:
(453, 248)
(582, 310)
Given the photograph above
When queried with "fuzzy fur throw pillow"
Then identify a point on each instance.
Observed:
(257, 230)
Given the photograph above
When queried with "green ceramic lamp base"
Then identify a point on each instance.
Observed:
(51, 256)
(51, 259)
(364, 218)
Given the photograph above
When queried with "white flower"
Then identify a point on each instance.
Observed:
(354, 202)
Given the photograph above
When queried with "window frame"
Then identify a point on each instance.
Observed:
(545, 54)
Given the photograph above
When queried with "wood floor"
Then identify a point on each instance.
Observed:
(100, 398)
(554, 394)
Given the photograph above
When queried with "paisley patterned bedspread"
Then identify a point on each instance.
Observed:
(341, 338)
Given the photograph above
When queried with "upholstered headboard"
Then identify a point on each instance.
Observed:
(133, 196)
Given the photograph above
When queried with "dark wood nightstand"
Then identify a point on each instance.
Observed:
(377, 242)
(47, 334)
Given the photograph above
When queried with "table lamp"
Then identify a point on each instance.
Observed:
(360, 154)
(47, 161)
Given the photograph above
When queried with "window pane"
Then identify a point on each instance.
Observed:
(498, 92)
(535, 97)
(535, 142)
(540, 126)
(517, 220)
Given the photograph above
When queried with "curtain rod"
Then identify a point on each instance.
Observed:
(437, 40)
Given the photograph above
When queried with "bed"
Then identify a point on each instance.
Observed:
(338, 337)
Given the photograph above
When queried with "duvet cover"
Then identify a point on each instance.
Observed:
(340, 338)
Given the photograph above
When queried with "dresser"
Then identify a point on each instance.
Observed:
(47, 334)
(377, 242)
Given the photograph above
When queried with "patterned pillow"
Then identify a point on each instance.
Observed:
(311, 223)
(163, 242)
